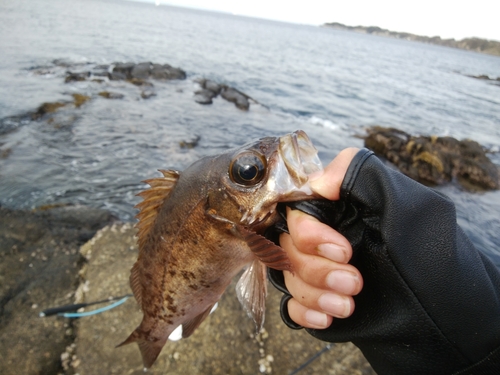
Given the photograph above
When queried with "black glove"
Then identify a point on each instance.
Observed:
(430, 302)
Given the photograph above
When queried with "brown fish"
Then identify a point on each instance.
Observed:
(199, 228)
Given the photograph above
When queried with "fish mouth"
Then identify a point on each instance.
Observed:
(290, 164)
(300, 156)
(296, 158)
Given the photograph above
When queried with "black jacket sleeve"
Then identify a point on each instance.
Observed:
(430, 302)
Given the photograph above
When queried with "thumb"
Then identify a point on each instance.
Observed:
(328, 181)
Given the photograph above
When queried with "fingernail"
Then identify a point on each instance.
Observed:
(333, 252)
(316, 318)
(315, 175)
(342, 281)
(335, 305)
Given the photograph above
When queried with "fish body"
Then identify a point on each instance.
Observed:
(197, 229)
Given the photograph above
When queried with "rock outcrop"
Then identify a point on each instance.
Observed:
(210, 89)
(435, 160)
(144, 70)
(103, 76)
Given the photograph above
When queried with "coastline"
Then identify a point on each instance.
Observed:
(489, 47)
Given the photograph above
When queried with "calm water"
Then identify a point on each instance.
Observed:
(329, 83)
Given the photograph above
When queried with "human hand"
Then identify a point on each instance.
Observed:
(323, 283)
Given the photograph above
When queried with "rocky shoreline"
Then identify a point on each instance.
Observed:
(62, 255)
(490, 47)
(434, 160)
(39, 268)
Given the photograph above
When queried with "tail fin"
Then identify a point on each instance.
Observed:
(150, 350)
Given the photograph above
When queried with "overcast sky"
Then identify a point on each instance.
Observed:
(446, 18)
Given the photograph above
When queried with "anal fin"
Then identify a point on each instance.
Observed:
(150, 351)
(251, 290)
(190, 326)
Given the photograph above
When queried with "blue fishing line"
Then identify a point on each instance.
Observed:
(94, 312)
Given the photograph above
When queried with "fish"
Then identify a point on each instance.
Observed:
(197, 229)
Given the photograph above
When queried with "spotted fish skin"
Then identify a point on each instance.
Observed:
(197, 229)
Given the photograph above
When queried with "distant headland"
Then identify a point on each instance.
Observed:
(490, 47)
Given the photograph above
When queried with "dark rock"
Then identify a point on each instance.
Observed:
(39, 265)
(140, 82)
(209, 90)
(75, 77)
(117, 76)
(237, 97)
(167, 72)
(141, 70)
(211, 85)
(79, 99)
(435, 160)
(100, 71)
(191, 143)
(111, 95)
(123, 70)
(146, 94)
(46, 108)
(204, 96)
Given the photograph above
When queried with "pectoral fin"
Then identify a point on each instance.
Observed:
(135, 283)
(268, 253)
(251, 290)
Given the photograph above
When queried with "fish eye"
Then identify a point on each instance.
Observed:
(247, 168)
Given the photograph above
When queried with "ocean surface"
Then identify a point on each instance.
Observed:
(330, 83)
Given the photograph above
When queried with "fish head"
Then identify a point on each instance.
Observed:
(258, 175)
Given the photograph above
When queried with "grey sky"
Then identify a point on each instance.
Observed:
(445, 18)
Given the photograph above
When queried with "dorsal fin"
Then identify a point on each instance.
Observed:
(153, 198)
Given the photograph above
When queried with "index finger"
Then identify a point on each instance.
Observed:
(315, 238)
